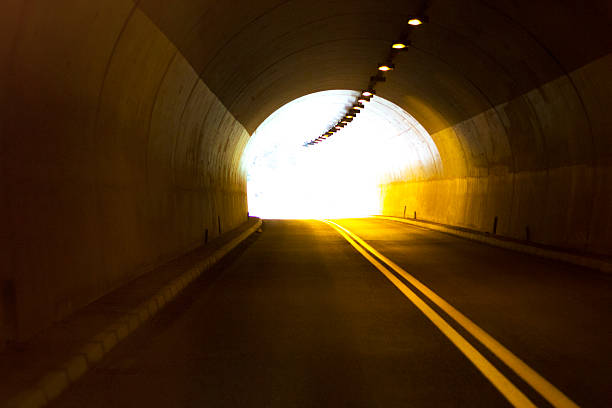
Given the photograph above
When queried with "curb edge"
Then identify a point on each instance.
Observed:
(55, 381)
(587, 262)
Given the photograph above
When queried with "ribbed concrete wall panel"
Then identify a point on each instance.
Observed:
(112, 157)
(537, 163)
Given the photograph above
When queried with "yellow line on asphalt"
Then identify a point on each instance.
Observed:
(499, 381)
(552, 394)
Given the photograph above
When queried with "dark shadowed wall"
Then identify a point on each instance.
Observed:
(115, 156)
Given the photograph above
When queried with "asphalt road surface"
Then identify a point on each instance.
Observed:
(298, 316)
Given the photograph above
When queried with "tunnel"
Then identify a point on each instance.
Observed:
(124, 125)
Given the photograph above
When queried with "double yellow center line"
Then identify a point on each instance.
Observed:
(515, 396)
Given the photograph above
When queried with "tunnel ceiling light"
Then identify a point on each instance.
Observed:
(352, 111)
(386, 67)
(417, 20)
(400, 45)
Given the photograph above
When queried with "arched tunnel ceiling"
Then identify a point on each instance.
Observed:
(258, 55)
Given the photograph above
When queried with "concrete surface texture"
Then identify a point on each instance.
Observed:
(39, 370)
(123, 123)
(115, 156)
(298, 318)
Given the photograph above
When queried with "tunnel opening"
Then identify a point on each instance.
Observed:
(341, 176)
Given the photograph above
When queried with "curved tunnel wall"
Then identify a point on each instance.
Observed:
(123, 123)
(539, 163)
(115, 156)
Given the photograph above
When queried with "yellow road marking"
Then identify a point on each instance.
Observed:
(499, 381)
(552, 394)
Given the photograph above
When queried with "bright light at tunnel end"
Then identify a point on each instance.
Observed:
(339, 178)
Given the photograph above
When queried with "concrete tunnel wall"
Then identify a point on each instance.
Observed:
(123, 124)
(116, 156)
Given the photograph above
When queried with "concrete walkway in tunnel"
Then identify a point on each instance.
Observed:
(296, 316)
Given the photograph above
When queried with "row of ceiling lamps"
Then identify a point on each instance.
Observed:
(367, 94)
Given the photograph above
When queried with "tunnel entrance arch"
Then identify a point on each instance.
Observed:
(342, 176)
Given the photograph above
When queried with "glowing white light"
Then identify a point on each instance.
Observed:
(415, 21)
(341, 176)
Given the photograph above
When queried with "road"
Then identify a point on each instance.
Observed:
(299, 317)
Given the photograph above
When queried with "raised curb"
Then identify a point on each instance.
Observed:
(580, 260)
(56, 381)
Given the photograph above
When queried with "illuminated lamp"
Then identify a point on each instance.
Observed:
(400, 45)
(368, 92)
(364, 99)
(417, 20)
(358, 106)
(386, 67)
